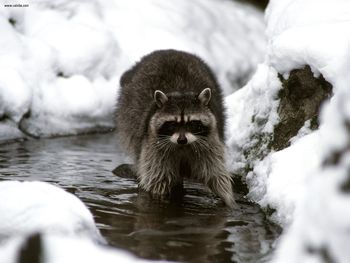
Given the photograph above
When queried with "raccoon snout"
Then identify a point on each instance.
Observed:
(182, 139)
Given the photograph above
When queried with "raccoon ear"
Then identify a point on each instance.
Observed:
(160, 98)
(204, 96)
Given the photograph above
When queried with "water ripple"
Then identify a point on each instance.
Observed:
(196, 229)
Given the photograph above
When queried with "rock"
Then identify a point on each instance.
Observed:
(261, 4)
(300, 99)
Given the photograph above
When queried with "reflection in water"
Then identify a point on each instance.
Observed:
(198, 228)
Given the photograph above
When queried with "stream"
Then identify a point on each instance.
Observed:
(198, 228)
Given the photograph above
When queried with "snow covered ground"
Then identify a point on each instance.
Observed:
(307, 183)
(60, 60)
(67, 229)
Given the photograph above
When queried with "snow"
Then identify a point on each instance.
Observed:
(256, 102)
(284, 176)
(29, 207)
(322, 216)
(198, 26)
(9, 131)
(66, 226)
(58, 249)
(306, 183)
(60, 61)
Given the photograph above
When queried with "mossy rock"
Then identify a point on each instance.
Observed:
(300, 99)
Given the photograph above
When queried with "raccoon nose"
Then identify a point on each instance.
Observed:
(182, 139)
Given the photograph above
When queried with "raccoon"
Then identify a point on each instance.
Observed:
(170, 117)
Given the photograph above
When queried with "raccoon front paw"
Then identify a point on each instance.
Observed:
(162, 190)
(156, 189)
(229, 199)
(222, 186)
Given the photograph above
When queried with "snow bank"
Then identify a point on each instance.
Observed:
(30, 207)
(251, 110)
(227, 34)
(67, 229)
(307, 183)
(58, 249)
(58, 66)
(319, 231)
(60, 61)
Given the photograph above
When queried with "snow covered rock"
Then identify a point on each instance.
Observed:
(9, 131)
(60, 61)
(307, 183)
(252, 115)
(319, 230)
(30, 207)
(58, 64)
(42, 223)
(266, 114)
(58, 249)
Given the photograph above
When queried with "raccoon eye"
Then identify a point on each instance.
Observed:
(198, 128)
(168, 128)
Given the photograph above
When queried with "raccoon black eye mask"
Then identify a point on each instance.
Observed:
(195, 127)
(170, 112)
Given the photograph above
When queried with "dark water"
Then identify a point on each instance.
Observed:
(196, 229)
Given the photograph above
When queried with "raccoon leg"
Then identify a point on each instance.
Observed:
(156, 173)
(220, 183)
(212, 172)
(157, 182)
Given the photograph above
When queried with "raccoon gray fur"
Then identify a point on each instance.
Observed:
(170, 117)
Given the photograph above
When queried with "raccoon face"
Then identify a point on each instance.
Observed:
(181, 125)
(183, 132)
